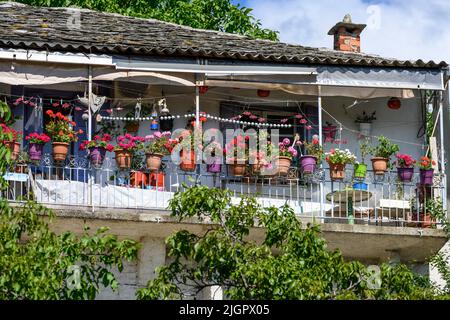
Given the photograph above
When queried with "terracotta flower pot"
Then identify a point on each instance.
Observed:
(132, 127)
(187, 160)
(60, 151)
(153, 161)
(283, 164)
(379, 165)
(238, 168)
(138, 179)
(15, 149)
(157, 179)
(123, 159)
(425, 221)
(337, 171)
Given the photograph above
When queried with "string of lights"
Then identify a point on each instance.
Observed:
(192, 115)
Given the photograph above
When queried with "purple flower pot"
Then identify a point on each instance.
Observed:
(215, 167)
(405, 174)
(426, 176)
(35, 151)
(97, 155)
(308, 164)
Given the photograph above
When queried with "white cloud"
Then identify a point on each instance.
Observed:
(415, 29)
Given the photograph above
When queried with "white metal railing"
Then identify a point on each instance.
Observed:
(382, 200)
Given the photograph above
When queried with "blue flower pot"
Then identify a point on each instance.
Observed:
(360, 186)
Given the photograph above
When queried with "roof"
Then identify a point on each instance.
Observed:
(43, 28)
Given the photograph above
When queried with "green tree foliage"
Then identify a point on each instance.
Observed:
(219, 15)
(36, 263)
(290, 261)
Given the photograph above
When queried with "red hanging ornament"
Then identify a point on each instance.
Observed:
(394, 103)
(263, 93)
(203, 89)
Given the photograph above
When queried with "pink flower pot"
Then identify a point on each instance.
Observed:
(405, 174)
(308, 164)
(426, 176)
(35, 151)
(97, 155)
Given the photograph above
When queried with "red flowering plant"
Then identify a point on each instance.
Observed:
(98, 142)
(236, 150)
(405, 161)
(9, 134)
(61, 128)
(314, 148)
(426, 163)
(37, 138)
(129, 143)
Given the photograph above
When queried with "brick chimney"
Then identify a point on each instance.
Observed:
(347, 35)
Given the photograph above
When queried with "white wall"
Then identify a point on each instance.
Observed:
(402, 124)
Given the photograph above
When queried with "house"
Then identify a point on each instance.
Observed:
(111, 73)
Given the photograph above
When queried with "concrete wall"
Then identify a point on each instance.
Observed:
(136, 275)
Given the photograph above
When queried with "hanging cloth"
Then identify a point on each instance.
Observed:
(36, 119)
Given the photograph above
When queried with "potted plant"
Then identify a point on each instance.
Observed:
(213, 163)
(190, 142)
(382, 154)
(360, 170)
(36, 142)
(97, 148)
(61, 130)
(237, 155)
(426, 170)
(365, 122)
(11, 138)
(314, 155)
(156, 148)
(285, 155)
(127, 145)
(337, 160)
(431, 210)
(131, 126)
(405, 167)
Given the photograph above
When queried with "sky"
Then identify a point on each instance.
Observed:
(402, 29)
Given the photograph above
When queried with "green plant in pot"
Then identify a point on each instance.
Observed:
(361, 168)
(382, 154)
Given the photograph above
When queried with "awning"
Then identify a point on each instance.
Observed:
(313, 90)
(32, 73)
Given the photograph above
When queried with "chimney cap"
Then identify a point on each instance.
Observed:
(348, 24)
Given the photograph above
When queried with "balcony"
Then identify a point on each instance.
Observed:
(378, 200)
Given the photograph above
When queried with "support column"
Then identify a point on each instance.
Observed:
(151, 256)
(442, 148)
(89, 133)
(321, 187)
